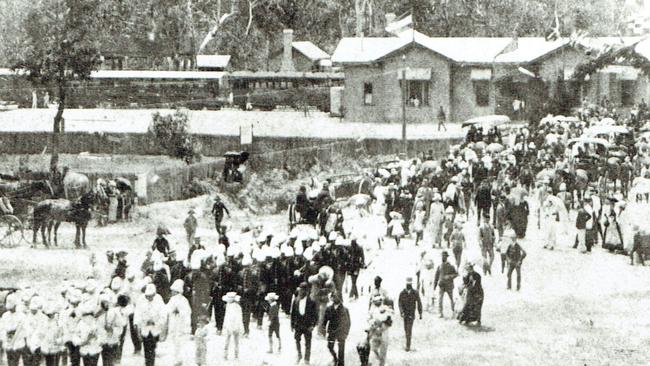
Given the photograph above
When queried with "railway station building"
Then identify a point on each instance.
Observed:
(470, 77)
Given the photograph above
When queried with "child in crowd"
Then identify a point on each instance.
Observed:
(273, 310)
(201, 340)
(395, 227)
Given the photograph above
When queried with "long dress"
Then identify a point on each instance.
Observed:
(473, 294)
(434, 224)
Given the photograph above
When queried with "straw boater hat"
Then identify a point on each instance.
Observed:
(150, 290)
(271, 296)
(231, 297)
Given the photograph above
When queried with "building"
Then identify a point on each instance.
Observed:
(303, 56)
(470, 77)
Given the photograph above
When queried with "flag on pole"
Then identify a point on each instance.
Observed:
(400, 24)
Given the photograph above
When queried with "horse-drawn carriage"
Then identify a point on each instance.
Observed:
(16, 207)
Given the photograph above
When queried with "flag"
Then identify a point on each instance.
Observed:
(555, 32)
(400, 24)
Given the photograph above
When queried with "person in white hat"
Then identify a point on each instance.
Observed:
(87, 337)
(149, 318)
(34, 321)
(51, 342)
(273, 311)
(13, 331)
(233, 324)
(179, 316)
(111, 323)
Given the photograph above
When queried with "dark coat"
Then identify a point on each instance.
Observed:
(337, 322)
(408, 300)
(306, 321)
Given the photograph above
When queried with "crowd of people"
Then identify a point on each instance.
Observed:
(259, 273)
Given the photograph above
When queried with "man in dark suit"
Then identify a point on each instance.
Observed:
(304, 317)
(337, 321)
(408, 300)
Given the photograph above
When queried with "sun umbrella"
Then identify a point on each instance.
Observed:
(613, 160)
(480, 145)
(430, 165)
(359, 200)
(123, 184)
(494, 147)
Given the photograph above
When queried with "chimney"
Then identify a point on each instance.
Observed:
(287, 44)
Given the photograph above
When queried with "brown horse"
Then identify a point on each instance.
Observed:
(50, 213)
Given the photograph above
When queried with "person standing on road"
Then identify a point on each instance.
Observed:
(13, 331)
(190, 226)
(149, 318)
(483, 200)
(357, 262)
(472, 290)
(408, 300)
(582, 218)
(304, 317)
(457, 239)
(444, 280)
(160, 243)
(486, 241)
(515, 255)
(217, 211)
(178, 320)
(442, 118)
(337, 322)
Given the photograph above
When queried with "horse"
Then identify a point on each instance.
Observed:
(51, 212)
(75, 185)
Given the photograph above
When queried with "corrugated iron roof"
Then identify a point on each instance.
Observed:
(217, 61)
(310, 50)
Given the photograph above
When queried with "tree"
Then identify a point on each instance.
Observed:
(59, 46)
(172, 134)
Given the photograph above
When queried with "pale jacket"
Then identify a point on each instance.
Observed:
(70, 324)
(233, 322)
(35, 327)
(52, 341)
(87, 337)
(179, 315)
(150, 316)
(110, 326)
(13, 322)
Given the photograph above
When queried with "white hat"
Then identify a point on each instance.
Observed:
(246, 261)
(91, 285)
(130, 273)
(157, 265)
(449, 210)
(87, 308)
(35, 303)
(150, 290)
(10, 302)
(108, 297)
(232, 251)
(288, 251)
(321, 241)
(333, 235)
(49, 308)
(116, 283)
(308, 254)
(298, 250)
(271, 296)
(437, 197)
(177, 286)
(220, 260)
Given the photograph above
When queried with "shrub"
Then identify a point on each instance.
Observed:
(171, 133)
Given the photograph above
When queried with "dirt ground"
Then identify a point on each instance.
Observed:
(225, 122)
(573, 309)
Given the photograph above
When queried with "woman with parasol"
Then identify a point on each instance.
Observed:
(472, 292)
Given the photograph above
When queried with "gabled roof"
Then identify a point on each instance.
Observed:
(530, 49)
(216, 61)
(464, 50)
(310, 50)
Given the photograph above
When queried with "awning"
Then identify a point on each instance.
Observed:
(414, 74)
(481, 74)
(623, 72)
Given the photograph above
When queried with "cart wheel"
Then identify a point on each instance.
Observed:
(11, 231)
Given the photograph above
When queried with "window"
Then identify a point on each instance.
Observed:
(417, 93)
(627, 92)
(482, 92)
(367, 93)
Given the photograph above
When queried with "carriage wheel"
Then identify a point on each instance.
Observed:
(11, 231)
